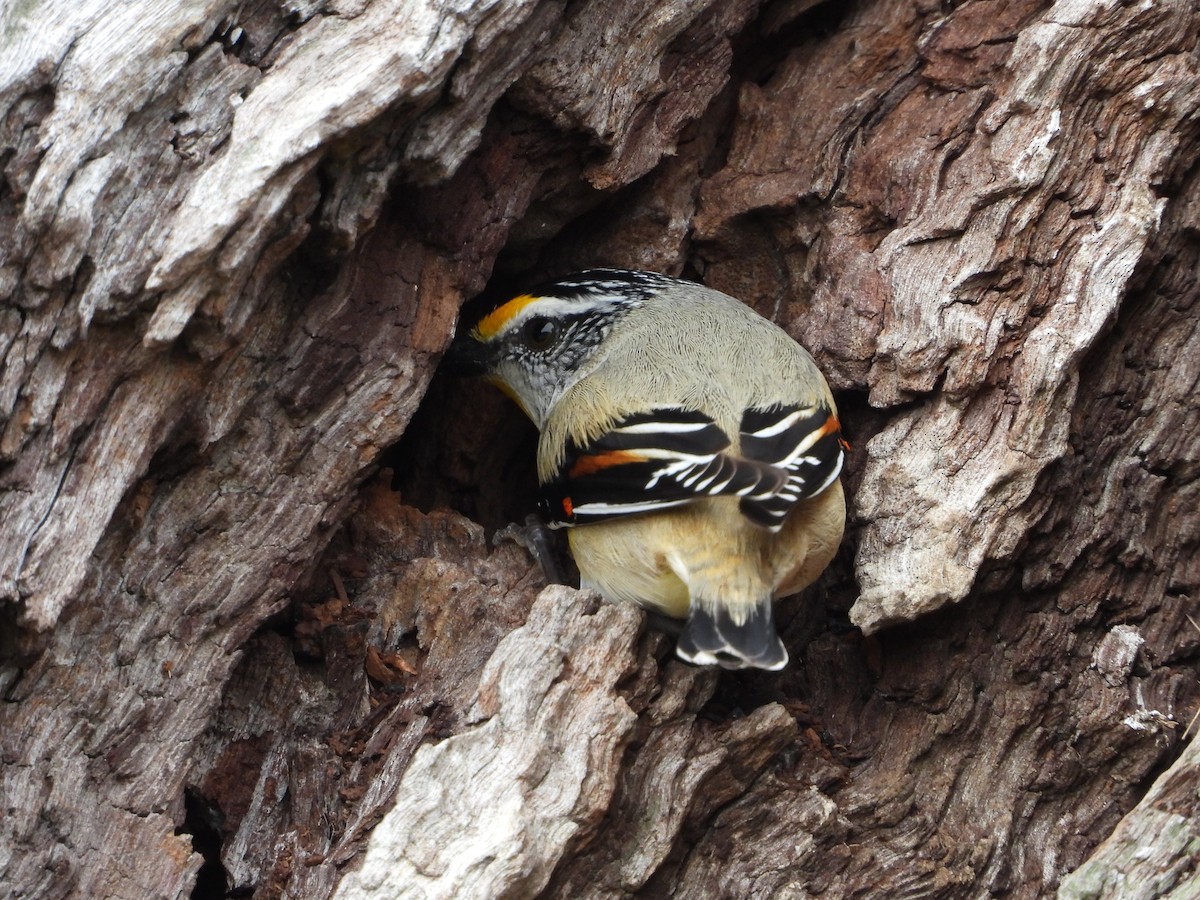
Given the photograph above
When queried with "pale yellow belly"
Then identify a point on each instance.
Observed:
(708, 550)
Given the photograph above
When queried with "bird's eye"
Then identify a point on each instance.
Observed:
(540, 333)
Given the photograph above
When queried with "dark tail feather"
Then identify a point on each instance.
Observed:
(712, 638)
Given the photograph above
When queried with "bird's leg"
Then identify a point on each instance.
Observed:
(661, 622)
(536, 538)
(538, 541)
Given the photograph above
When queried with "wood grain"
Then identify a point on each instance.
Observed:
(234, 241)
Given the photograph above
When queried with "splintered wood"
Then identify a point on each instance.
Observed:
(234, 241)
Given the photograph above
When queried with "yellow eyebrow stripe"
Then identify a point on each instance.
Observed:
(493, 323)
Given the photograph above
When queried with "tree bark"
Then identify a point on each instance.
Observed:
(259, 631)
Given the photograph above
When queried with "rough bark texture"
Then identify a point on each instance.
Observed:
(235, 240)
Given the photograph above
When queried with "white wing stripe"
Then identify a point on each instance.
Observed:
(662, 428)
(607, 509)
(782, 425)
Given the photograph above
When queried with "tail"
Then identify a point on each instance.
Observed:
(712, 637)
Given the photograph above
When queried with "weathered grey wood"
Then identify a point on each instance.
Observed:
(1153, 852)
(549, 684)
(148, 197)
(234, 240)
(961, 290)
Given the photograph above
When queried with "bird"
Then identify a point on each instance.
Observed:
(690, 446)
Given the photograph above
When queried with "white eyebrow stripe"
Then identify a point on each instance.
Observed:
(550, 307)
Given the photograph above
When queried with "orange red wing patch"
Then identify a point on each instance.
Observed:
(595, 462)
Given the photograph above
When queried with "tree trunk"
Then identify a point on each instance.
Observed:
(259, 634)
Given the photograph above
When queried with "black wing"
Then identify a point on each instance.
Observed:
(805, 442)
(670, 457)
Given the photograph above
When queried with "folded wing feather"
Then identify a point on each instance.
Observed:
(669, 457)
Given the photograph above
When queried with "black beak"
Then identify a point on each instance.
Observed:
(467, 357)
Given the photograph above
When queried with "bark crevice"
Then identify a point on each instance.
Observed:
(231, 262)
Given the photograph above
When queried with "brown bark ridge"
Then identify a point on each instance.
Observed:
(236, 660)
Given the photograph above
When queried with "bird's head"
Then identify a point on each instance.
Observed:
(537, 344)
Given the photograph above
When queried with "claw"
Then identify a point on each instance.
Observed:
(536, 538)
